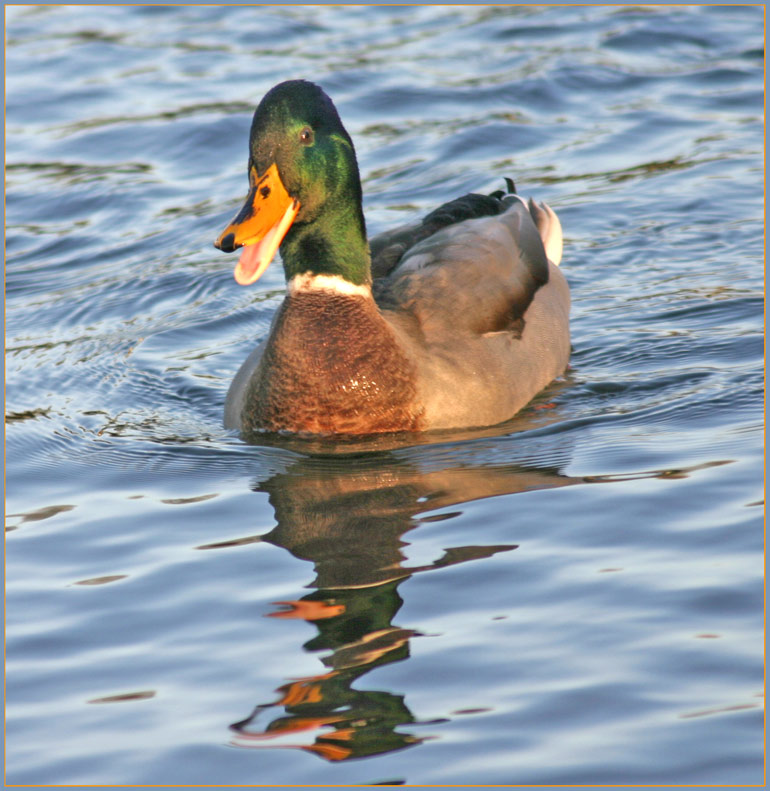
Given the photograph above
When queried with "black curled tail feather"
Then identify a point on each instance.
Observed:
(510, 189)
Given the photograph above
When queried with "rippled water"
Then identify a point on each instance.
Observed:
(573, 597)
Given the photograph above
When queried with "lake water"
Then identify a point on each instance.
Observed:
(574, 597)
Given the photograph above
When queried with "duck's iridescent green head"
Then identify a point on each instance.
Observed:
(305, 191)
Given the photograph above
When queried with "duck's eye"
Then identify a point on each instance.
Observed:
(306, 136)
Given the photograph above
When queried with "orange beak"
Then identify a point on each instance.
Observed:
(260, 225)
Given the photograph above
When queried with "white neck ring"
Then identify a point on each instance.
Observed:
(308, 282)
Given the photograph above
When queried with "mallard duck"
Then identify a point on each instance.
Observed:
(455, 321)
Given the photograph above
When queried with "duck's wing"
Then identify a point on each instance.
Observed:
(474, 275)
(483, 314)
(389, 248)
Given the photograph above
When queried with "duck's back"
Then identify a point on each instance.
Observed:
(483, 312)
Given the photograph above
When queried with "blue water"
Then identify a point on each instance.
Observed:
(573, 597)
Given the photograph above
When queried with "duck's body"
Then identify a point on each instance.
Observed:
(465, 320)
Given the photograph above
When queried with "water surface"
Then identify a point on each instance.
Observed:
(574, 597)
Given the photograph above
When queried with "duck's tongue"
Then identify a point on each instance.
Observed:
(248, 268)
(256, 257)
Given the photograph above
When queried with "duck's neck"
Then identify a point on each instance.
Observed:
(332, 245)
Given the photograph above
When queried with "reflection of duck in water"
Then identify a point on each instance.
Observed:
(348, 515)
(349, 519)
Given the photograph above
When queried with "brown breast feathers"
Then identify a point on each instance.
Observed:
(331, 365)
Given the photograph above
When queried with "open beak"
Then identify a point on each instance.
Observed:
(259, 227)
